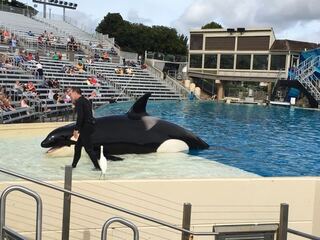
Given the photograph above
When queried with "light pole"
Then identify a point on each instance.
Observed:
(57, 3)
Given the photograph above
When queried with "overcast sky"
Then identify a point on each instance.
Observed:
(291, 19)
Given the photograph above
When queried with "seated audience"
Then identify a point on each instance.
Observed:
(18, 87)
(24, 103)
(55, 56)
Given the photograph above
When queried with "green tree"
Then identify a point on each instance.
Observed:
(211, 25)
(140, 38)
(17, 4)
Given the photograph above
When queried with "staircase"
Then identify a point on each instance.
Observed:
(306, 75)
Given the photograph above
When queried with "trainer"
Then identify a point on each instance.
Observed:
(84, 127)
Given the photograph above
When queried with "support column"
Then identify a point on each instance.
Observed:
(283, 223)
(220, 89)
(186, 220)
(64, 14)
(44, 10)
(67, 203)
(270, 90)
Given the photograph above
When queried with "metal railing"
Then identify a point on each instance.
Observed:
(166, 57)
(172, 83)
(122, 221)
(122, 91)
(282, 231)
(5, 230)
(305, 74)
(105, 204)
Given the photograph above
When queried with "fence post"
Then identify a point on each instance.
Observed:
(186, 220)
(283, 223)
(66, 203)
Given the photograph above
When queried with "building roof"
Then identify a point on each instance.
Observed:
(290, 45)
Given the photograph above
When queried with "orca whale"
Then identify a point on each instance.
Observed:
(134, 132)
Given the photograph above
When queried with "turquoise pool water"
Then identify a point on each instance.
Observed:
(268, 141)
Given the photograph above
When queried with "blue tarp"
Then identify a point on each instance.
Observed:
(306, 54)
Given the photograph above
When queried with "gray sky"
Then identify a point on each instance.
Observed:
(291, 19)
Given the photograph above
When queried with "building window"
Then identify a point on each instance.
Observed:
(195, 60)
(210, 61)
(196, 41)
(243, 61)
(260, 62)
(278, 62)
(226, 61)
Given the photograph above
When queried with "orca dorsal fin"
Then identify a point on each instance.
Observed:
(138, 109)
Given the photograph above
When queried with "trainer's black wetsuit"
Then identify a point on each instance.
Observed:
(85, 126)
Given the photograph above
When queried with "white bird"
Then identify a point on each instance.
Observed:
(103, 164)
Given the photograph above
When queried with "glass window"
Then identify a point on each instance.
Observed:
(260, 62)
(210, 61)
(278, 62)
(226, 61)
(195, 60)
(243, 61)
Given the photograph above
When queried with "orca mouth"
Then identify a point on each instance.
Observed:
(53, 149)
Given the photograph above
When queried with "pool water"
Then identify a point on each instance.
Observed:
(264, 140)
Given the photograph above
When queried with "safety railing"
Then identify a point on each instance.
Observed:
(162, 223)
(6, 231)
(282, 230)
(122, 221)
(172, 83)
(122, 90)
(304, 73)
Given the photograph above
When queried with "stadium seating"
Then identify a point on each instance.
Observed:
(110, 87)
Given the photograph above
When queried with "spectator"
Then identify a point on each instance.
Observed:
(66, 98)
(113, 51)
(79, 67)
(93, 81)
(40, 40)
(7, 64)
(2, 67)
(50, 94)
(37, 57)
(39, 70)
(59, 55)
(18, 87)
(13, 44)
(105, 57)
(30, 57)
(30, 87)
(129, 71)
(55, 56)
(58, 98)
(24, 103)
(93, 94)
(6, 102)
(30, 33)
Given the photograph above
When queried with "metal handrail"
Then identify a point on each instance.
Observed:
(168, 81)
(105, 204)
(29, 192)
(302, 234)
(122, 221)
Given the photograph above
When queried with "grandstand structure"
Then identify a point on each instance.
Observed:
(46, 38)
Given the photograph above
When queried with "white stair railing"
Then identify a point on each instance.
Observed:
(305, 74)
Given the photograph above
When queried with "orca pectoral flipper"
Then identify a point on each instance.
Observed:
(114, 158)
